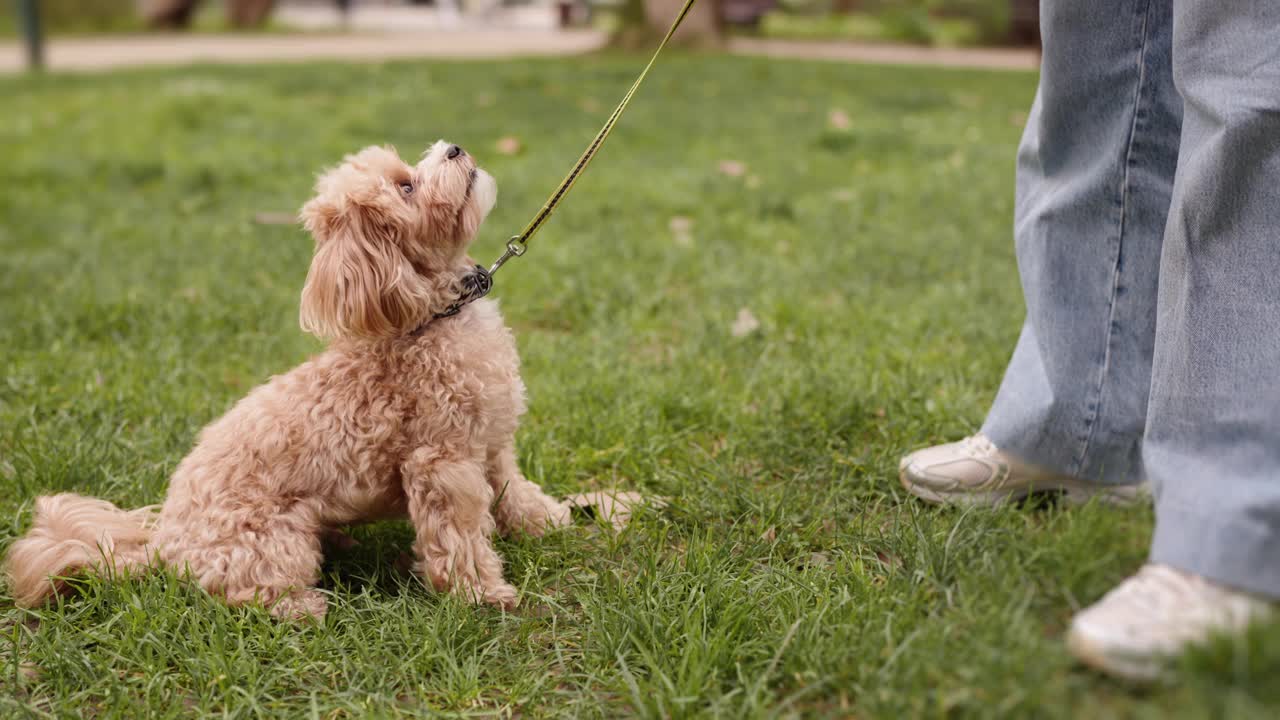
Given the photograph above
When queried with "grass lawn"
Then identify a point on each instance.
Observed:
(790, 574)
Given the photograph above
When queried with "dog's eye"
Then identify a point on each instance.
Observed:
(406, 187)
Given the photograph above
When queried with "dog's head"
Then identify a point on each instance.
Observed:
(391, 239)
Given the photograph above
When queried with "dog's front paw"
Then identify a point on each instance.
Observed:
(548, 517)
(559, 514)
(501, 595)
(534, 516)
(301, 605)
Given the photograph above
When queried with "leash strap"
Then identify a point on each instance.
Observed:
(517, 245)
(479, 281)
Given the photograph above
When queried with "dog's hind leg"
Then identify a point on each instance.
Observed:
(522, 506)
(449, 503)
(273, 561)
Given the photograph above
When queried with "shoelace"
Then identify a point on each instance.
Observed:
(978, 444)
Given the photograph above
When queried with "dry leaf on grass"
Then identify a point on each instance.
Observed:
(616, 507)
(338, 540)
(819, 560)
(509, 145)
(681, 229)
(744, 324)
(733, 168)
(839, 120)
(275, 218)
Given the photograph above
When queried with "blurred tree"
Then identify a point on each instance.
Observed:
(1024, 19)
(167, 14)
(644, 22)
(249, 13)
(177, 14)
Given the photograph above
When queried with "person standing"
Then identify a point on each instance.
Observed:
(1147, 228)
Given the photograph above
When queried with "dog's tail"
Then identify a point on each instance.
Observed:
(73, 534)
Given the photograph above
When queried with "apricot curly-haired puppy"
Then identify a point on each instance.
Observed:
(404, 414)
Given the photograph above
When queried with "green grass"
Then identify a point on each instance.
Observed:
(790, 574)
(900, 27)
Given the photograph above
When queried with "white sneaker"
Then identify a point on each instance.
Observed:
(1151, 618)
(974, 472)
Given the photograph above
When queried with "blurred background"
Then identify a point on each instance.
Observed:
(937, 23)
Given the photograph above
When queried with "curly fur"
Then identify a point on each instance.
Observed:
(402, 416)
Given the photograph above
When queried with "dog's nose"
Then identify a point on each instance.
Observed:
(454, 151)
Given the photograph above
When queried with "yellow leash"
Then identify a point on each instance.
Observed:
(479, 282)
(517, 245)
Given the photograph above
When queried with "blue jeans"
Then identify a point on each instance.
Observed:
(1147, 227)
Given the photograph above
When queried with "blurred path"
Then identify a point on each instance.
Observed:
(108, 53)
(111, 52)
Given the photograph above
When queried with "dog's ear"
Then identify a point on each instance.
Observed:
(360, 283)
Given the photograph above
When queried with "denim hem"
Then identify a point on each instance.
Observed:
(1205, 541)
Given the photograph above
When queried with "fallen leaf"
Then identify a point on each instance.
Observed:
(404, 563)
(338, 540)
(733, 168)
(720, 445)
(839, 119)
(275, 218)
(890, 562)
(509, 145)
(744, 324)
(681, 229)
(819, 559)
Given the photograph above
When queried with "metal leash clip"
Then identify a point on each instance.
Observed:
(477, 283)
(515, 248)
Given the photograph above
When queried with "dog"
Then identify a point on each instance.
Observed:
(409, 412)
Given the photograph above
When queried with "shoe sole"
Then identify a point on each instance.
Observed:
(1073, 493)
(1144, 669)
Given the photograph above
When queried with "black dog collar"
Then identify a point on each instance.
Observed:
(475, 284)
